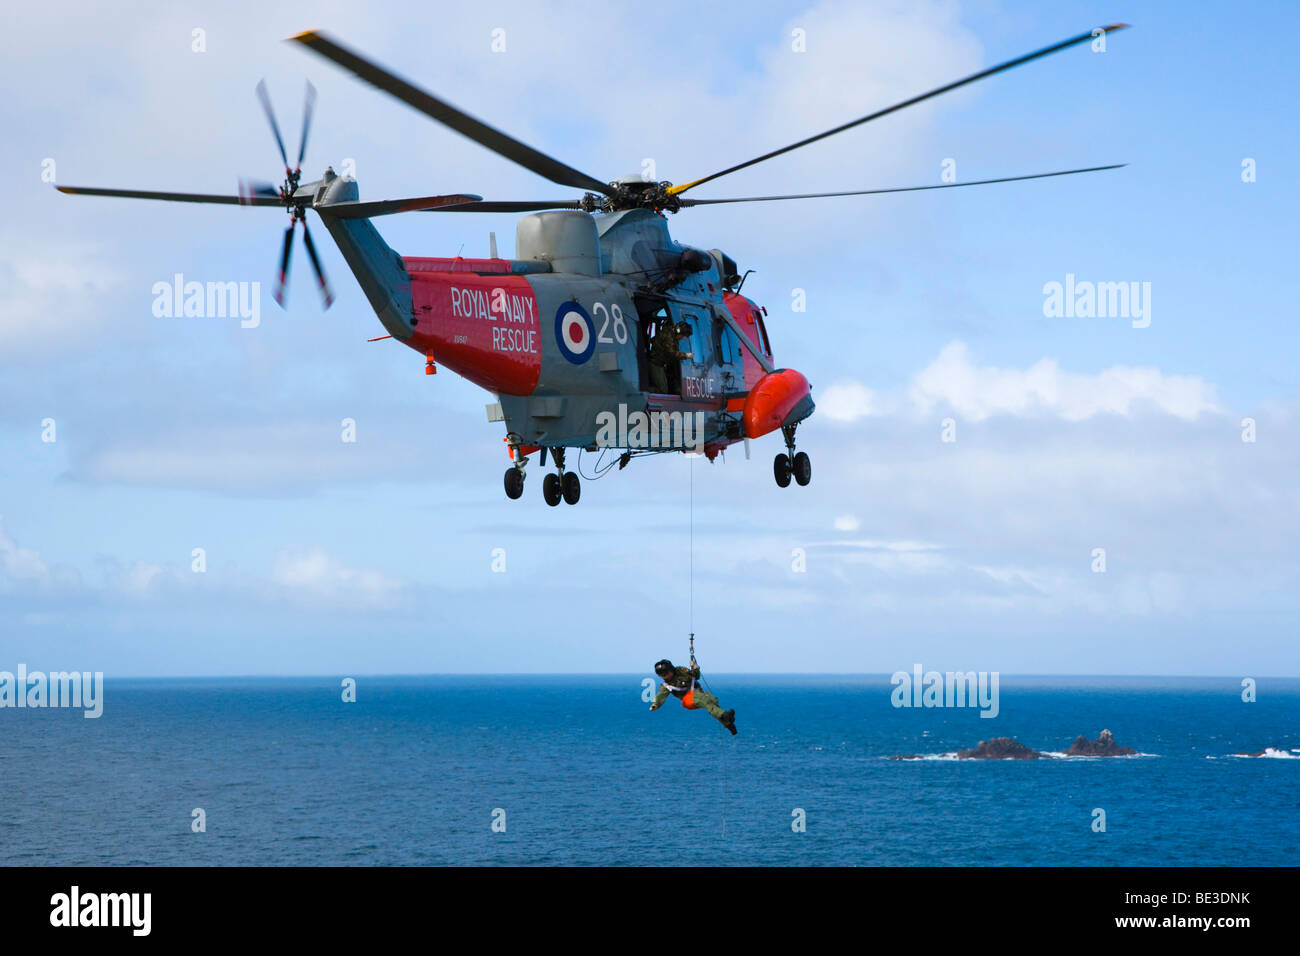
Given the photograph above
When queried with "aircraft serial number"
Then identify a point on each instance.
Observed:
(607, 315)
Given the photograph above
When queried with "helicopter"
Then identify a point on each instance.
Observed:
(568, 335)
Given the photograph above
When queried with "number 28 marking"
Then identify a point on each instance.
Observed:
(598, 309)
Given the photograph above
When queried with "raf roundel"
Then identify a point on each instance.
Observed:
(574, 333)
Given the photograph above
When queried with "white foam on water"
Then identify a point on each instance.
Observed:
(1271, 753)
(1054, 754)
(919, 757)
(1062, 755)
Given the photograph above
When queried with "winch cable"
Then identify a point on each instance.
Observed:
(690, 587)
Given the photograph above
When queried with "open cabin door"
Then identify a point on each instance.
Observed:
(716, 365)
(650, 313)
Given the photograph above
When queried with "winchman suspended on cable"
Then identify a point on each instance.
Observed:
(683, 683)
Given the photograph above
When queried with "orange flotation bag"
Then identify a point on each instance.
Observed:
(688, 699)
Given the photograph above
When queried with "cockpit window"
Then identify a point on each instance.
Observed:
(762, 334)
(728, 346)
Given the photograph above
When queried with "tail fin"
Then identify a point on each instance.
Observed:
(379, 269)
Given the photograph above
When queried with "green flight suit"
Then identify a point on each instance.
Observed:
(680, 683)
(663, 351)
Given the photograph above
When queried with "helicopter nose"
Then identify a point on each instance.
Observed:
(779, 398)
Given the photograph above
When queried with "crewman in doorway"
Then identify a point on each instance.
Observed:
(683, 683)
(664, 353)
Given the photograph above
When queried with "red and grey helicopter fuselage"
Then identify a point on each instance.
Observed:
(562, 333)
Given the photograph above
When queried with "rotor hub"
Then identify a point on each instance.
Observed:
(633, 193)
(290, 187)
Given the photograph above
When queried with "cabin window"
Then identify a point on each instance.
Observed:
(696, 340)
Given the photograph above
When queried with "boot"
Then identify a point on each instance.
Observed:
(729, 721)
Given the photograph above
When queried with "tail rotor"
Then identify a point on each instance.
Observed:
(295, 197)
(288, 195)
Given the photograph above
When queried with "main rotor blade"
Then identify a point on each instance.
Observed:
(308, 106)
(495, 140)
(325, 292)
(282, 282)
(270, 118)
(901, 189)
(1001, 67)
(386, 207)
(250, 200)
(250, 189)
(510, 206)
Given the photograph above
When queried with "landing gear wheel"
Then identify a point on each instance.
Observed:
(514, 482)
(551, 489)
(802, 467)
(571, 487)
(781, 470)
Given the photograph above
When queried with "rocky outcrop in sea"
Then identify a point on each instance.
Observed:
(999, 748)
(1103, 746)
(1004, 748)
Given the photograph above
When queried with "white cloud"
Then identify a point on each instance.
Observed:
(893, 556)
(975, 393)
(860, 58)
(847, 401)
(316, 576)
(953, 382)
(868, 544)
(21, 564)
(25, 572)
(139, 578)
(252, 458)
(41, 286)
(847, 523)
(310, 577)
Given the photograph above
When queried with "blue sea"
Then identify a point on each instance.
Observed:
(578, 771)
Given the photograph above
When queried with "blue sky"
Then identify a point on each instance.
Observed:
(376, 557)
